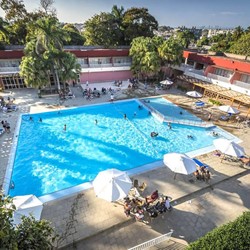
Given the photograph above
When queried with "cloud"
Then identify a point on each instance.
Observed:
(229, 13)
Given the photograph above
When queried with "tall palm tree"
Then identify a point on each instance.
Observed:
(171, 52)
(50, 38)
(44, 55)
(118, 14)
(50, 35)
(3, 31)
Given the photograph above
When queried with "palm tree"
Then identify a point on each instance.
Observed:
(44, 55)
(69, 68)
(171, 52)
(50, 38)
(118, 14)
(3, 31)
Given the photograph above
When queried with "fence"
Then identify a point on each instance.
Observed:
(153, 242)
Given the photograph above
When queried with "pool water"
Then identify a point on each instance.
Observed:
(171, 111)
(49, 159)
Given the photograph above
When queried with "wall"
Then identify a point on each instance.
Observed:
(105, 76)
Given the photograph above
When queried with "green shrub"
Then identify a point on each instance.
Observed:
(231, 236)
(214, 102)
(182, 88)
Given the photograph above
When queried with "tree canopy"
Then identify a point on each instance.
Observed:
(233, 235)
(119, 27)
(44, 55)
(150, 54)
(242, 46)
(30, 234)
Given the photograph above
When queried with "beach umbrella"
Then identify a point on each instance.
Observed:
(167, 82)
(228, 147)
(179, 163)
(229, 109)
(112, 184)
(26, 205)
(194, 94)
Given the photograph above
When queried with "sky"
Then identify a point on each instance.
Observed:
(174, 13)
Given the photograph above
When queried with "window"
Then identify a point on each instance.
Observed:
(245, 78)
(223, 72)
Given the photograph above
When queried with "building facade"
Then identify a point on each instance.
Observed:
(228, 72)
(97, 65)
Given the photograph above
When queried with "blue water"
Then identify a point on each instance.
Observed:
(172, 111)
(49, 159)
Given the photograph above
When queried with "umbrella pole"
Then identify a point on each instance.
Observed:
(222, 157)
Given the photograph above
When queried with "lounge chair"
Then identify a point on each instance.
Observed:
(245, 160)
(200, 164)
(2, 131)
(226, 117)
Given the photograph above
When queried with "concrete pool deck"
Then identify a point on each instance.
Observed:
(83, 216)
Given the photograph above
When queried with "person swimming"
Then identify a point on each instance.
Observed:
(153, 134)
(190, 137)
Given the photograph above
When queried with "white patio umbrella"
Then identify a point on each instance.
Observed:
(26, 205)
(179, 163)
(229, 147)
(229, 109)
(167, 82)
(112, 184)
(194, 94)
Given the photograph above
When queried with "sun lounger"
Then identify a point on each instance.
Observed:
(200, 164)
(245, 160)
(1, 131)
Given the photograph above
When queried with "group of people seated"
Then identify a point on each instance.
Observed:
(118, 83)
(202, 174)
(65, 93)
(7, 106)
(151, 205)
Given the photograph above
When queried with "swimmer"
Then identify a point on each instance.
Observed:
(65, 127)
(190, 137)
(96, 122)
(125, 116)
(40, 119)
(214, 134)
(134, 113)
(181, 113)
(169, 125)
(139, 107)
(31, 118)
(153, 134)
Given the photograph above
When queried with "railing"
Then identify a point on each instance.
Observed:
(190, 123)
(200, 77)
(153, 242)
(9, 69)
(242, 84)
(217, 77)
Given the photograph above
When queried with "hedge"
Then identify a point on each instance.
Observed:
(231, 236)
(215, 102)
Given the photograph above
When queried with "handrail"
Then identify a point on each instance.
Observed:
(153, 242)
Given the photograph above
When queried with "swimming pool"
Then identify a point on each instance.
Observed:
(49, 159)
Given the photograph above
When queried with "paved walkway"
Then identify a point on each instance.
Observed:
(192, 218)
(82, 216)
